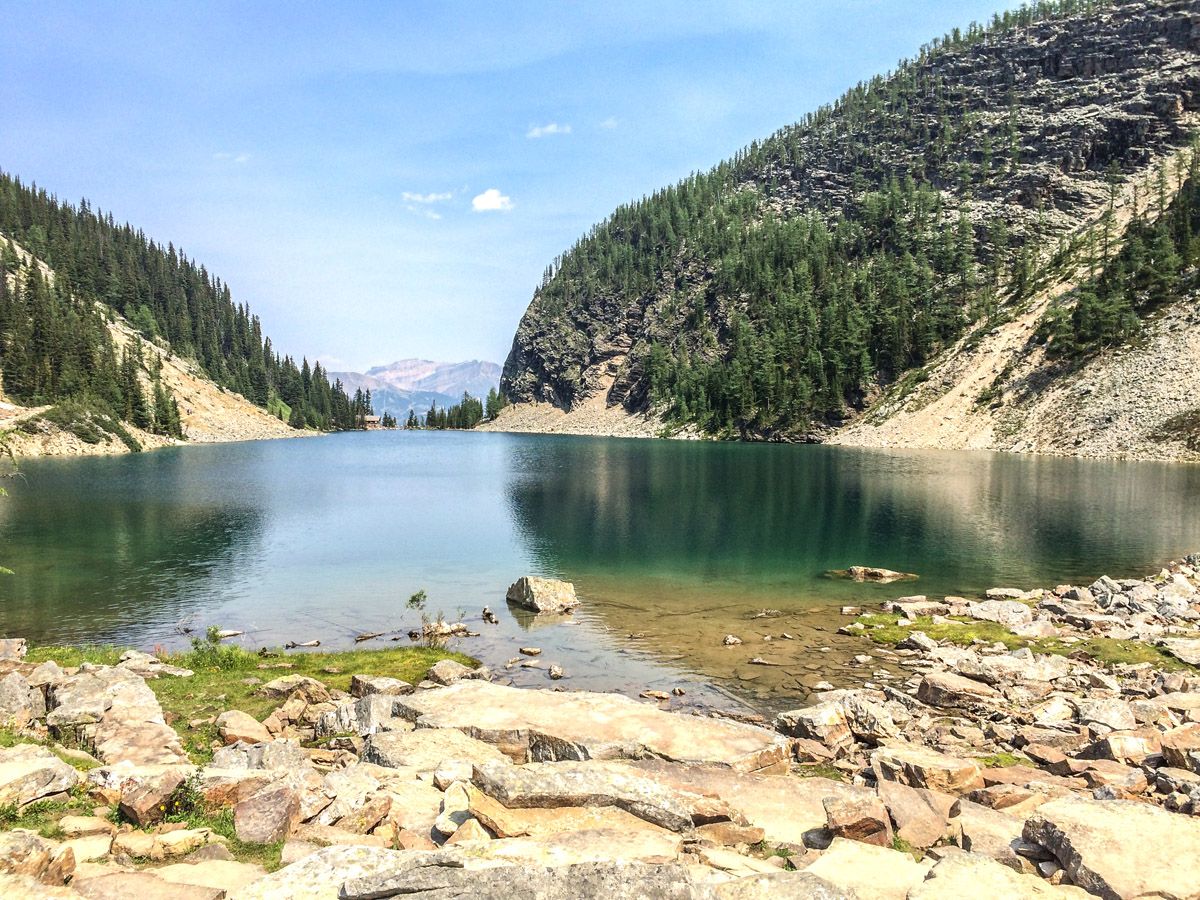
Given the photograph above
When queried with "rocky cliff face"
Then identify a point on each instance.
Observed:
(1026, 131)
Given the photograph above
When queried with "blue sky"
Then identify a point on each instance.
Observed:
(384, 180)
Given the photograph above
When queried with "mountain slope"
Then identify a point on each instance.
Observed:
(207, 412)
(789, 290)
(67, 272)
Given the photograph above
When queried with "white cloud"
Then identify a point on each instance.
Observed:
(239, 158)
(426, 198)
(537, 131)
(491, 200)
(609, 124)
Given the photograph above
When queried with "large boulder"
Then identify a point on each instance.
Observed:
(1181, 747)
(862, 819)
(960, 875)
(824, 722)
(361, 685)
(235, 725)
(29, 772)
(111, 713)
(945, 690)
(1004, 612)
(543, 595)
(785, 808)
(146, 795)
(267, 816)
(615, 880)
(16, 702)
(871, 873)
(921, 767)
(921, 816)
(549, 785)
(425, 749)
(24, 853)
(545, 726)
(1120, 849)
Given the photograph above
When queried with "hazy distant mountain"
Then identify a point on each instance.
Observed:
(418, 384)
(474, 376)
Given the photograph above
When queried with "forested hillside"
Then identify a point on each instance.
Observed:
(795, 283)
(55, 343)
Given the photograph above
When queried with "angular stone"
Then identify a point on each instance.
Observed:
(13, 649)
(921, 767)
(960, 875)
(921, 816)
(427, 748)
(991, 833)
(468, 832)
(1185, 649)
(29, 772)
(918, 640)
(274, 756)
(367, 715)
(146, 798)
(235, 725)
(311, 690)
(449, 671)
(1181, 747)
(78, 826)
(859, 819)
(547, 725)
(785, 807)
(111, 713)
(543, 595)
(597, 879)
(16, 706)
(549, 785)
(24, 853)
(1001, 611)
(1120, 849)
(143, 886)
(226, 875)
(945, 690)
(824, 722)
(1114, 714)
(361, 685)
(321, 875)
(536, 822)
(268, 816)
(871, 873)
(1128, 747)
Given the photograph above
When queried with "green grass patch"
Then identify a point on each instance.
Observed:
(821, 770)
(956, 631)
(88, 420)
(228, 676)
(964, 632)
(1003, 760)
(69, 657)
(42, 817)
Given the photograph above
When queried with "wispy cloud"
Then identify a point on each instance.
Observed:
(239, 158)
(538, 131)
(426, 198)
(610, 123)
(422, 211)
(491, 200)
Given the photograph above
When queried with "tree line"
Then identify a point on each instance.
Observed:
(54, 342)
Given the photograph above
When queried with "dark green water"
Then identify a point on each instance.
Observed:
(325, 538)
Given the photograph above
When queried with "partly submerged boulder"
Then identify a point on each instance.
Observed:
(543, 595)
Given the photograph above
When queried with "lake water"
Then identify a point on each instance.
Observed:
(671, 545)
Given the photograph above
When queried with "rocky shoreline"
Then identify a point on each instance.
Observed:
(1042, 743)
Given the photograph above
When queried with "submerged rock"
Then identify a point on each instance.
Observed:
(872, 574)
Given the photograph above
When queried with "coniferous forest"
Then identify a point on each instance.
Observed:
(815, 268)
(55, 344)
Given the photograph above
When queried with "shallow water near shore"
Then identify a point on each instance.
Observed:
(671, 545)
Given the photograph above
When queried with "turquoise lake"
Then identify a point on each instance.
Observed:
(671, 544)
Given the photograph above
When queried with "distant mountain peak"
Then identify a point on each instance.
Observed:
(419, 383)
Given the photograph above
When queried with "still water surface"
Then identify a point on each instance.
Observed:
(677, 543)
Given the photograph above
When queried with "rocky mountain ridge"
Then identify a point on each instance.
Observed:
(1016, 141)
